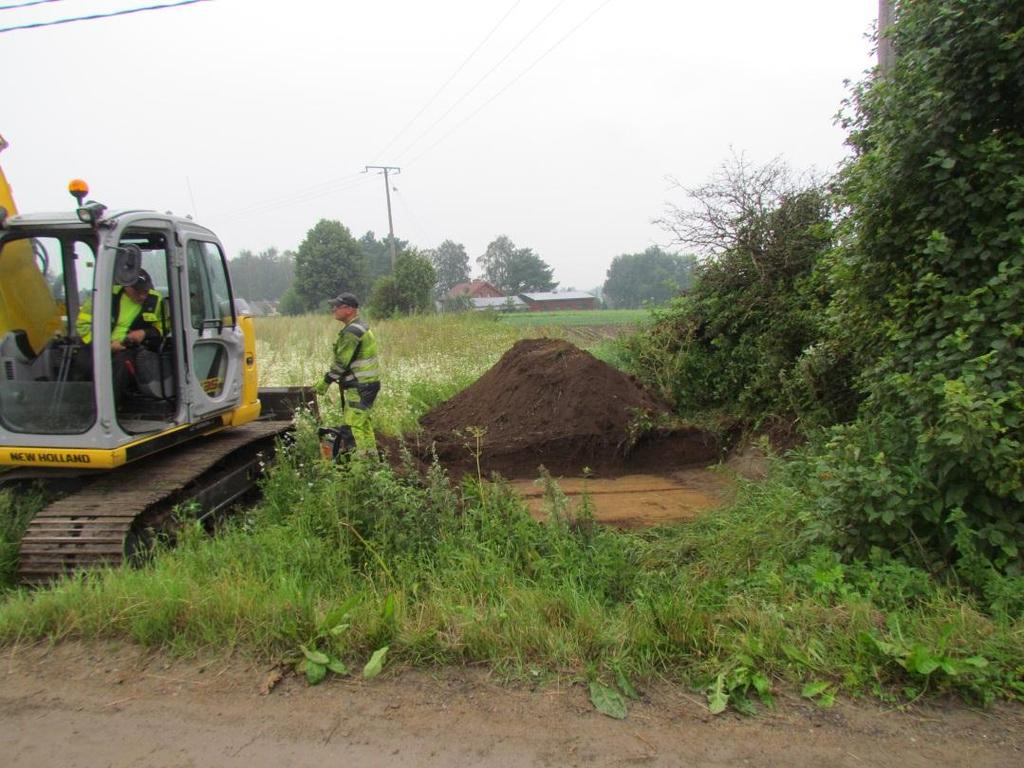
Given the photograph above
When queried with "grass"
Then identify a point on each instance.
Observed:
(349, 559)
(741, 601)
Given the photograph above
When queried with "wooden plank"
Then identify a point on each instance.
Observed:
(39, 564)
(47, 524)
(87, 550)
(47, 514)
(90, 539)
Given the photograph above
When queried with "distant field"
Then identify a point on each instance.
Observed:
(577, 317)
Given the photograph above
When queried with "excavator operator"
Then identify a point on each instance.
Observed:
(136, 322)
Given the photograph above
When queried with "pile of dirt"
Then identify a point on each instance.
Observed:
(548, 402)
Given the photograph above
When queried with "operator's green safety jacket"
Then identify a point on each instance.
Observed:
(355, 356)
(125, 316)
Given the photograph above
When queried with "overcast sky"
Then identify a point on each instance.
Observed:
(559, 131)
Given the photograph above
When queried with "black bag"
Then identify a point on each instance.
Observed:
(154, 373)
(335, 441)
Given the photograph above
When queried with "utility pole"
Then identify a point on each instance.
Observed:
(387, 192)
(886, 54)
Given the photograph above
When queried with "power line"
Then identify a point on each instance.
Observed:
(475, 85)
(424, 234)
(26, 5)
(312, 191)
(270, 206)
(508, 85)
(94, 16)
(446, 82)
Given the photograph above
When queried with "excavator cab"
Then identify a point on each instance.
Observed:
(121, 349)
(75, 391)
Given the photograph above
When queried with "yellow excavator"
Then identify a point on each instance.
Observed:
(178, 420)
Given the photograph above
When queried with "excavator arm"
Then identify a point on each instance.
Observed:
(25, 299)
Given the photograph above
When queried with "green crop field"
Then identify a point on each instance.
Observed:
(598, 317)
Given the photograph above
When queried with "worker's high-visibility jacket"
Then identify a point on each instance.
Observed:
(125, 316)
(355, 355)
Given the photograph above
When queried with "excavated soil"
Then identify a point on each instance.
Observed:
(547, 402)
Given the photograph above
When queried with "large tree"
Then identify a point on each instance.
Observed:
(378, 254)
(409, 290)
(647, 279)
(264, 276)
(515, 270)
(451, 264)
(328, 262)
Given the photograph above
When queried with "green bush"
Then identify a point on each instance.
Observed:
(930, 286)
(734, 344)
(408, 290)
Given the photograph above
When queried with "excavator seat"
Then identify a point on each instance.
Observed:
(19, 361)
(154, 373)
(23, 345)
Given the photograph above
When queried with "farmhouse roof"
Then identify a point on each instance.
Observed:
(556, 296)
(472, 288)
(497, 302)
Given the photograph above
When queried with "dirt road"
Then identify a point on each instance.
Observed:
(116, 705)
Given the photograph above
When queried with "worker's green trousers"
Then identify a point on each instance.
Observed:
(357, 418)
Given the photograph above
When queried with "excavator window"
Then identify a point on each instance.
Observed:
(149, 398)
(212, 310)
(45, 279)
(209, 289)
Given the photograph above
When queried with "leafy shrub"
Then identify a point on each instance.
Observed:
(733, 344)
(930, 284)
(290, 303)
(408, 290)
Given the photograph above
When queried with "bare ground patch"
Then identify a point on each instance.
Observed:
(89, 704)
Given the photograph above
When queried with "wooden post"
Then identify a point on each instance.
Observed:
(886, 53)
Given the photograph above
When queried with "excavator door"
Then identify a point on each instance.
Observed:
(216, 343)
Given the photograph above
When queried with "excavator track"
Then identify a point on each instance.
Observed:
(103, 523)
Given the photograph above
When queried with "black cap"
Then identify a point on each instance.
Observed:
(142, 281)
(345, 300)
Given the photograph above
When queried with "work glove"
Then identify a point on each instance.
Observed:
(329, 378)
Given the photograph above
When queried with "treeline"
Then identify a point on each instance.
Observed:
(262, 276)
(647, 279)
(331, 260)
(878, 314)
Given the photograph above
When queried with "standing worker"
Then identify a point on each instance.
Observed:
(355, 370)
